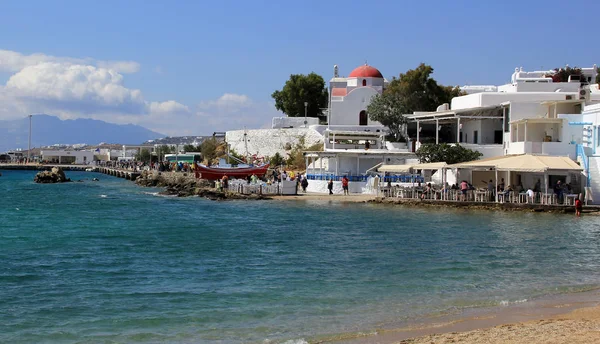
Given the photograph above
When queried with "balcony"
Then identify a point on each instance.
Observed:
(543, 148)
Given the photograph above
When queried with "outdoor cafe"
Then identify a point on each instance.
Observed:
(550, 180)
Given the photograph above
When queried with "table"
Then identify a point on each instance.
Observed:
(480, 195)
(570, 197)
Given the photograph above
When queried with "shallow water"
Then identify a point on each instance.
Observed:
(110, 262)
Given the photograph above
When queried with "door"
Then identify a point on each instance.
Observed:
(498, 137)
(475, 137)
(363, 119)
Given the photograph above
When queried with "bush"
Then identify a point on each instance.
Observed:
(451, 154)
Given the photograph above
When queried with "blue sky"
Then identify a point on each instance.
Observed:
(193, 67)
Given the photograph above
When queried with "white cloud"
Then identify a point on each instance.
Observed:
(126, 67)
(168, 107)
(86, 89)
(73, 88)
(229, 101)
(12, 61)
(70, 88)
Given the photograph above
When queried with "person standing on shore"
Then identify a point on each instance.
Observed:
(330, 186)
(345, 185)
(578, 205)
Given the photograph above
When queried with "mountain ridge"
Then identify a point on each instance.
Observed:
(48, 130)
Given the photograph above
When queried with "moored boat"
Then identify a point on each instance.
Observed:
(217, 172)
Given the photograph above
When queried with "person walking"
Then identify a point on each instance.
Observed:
(304, 184)
(330, 186)
(345, 185)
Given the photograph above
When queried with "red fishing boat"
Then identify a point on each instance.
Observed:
(241, 171)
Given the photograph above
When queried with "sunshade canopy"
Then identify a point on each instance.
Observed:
(407, 168)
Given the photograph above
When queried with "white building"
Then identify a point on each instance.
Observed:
(67, 157)
(531, 115)
(351, 96)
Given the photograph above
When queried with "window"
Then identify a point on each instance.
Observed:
(364, 82)
(363, 118)
(507, 119)
(475, 136)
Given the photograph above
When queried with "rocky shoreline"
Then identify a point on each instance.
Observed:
(185, 185)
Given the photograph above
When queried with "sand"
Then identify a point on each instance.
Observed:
(579, 326)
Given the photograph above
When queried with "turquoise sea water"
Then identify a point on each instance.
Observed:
(110, 262)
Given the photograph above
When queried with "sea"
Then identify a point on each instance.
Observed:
(110, 262)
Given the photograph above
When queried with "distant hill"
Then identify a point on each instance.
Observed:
(48, 130)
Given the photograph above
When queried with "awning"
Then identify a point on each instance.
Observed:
(485, 112)
(395, 168)
(430, 166)
(407, 168)
(523, 163)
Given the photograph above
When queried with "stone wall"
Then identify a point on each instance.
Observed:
(267, 142)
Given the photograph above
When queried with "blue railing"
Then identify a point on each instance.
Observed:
(586, 162)
(394, 179)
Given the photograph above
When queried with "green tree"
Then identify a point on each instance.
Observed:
(451, 154)
(191, 148)
(419, 91)
(209, 149)
(162, 150)
(233, 153)
(412, 91)
(143, 155)
(598, 76)
(276, 160)
(389, 110)
(302, 88)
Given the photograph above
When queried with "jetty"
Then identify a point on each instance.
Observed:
(127, 174)
(44, 167)
(120, 173)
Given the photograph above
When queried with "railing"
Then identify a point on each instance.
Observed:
(258, 189)
(410, 178)
(480, 196)
(586, 162)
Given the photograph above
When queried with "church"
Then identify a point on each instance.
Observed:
(350, 96)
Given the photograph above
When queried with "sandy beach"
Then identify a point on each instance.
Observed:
(570, 318)
(579, 326)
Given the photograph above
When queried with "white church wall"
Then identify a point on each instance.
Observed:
(347, 112)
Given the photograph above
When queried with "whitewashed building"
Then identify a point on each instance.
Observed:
(532, 114)
(67, 157)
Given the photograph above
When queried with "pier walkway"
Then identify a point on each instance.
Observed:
(44, 167)
(127, 174)
(116, 172)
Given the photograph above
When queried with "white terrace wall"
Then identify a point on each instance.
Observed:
(267, 142)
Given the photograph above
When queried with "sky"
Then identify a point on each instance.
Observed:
(195, 67)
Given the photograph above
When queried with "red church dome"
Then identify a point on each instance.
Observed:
(365, 71)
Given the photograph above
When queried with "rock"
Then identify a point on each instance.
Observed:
(180, 185)
(56, 175)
